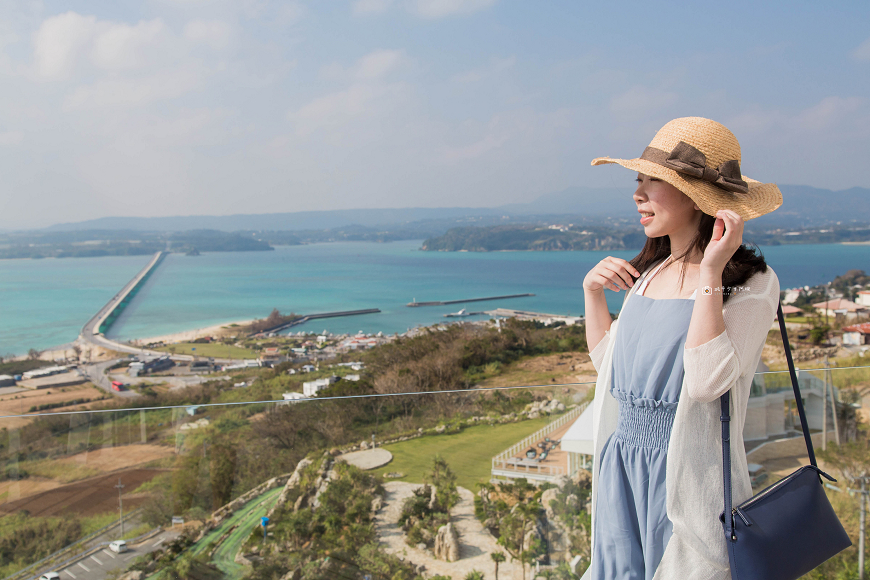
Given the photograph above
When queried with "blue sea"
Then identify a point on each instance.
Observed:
(44, 303)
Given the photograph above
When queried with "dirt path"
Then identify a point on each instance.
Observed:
(476, 543)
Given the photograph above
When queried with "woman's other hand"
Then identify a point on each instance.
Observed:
(612, 273)
(727, 237)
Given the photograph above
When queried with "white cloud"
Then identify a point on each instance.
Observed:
(360, 100)
(373, 66)
(59, 41)
(378, 64)
(11, 138)
(498, 65)
(121, 46)
(443, 8)
(134, 92)
(476, 149)
(369, 6)
(68, 40)
(828, 113)
(213, 33)
(862, 52)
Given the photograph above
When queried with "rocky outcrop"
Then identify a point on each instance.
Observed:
(292, 482)
(447, 543)
(544, 407)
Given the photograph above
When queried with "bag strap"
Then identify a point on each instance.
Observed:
(725, 418)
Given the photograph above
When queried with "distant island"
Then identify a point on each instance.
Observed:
(89, 244)
(557, 237)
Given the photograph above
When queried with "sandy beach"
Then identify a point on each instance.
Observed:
(188, 335)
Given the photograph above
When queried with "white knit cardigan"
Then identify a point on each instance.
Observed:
(697, 549)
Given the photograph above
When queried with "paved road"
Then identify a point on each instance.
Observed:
(99, 564)
(96, 373)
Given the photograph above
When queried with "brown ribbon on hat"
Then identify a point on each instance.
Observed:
(690, 161)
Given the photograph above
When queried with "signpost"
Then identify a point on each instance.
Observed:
(120, 507)
(264, 521)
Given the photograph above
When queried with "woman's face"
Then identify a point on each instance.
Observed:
(674, 211)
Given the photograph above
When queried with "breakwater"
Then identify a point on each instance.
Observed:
(307, 317)
(446, 302)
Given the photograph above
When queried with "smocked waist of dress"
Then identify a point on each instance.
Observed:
(644, 422)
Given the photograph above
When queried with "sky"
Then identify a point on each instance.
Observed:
(217, 107)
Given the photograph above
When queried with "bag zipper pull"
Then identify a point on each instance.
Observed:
(742, 516)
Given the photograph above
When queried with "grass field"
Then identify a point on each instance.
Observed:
(215, 350)
(469, 453)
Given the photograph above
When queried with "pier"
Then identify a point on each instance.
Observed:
(305, 318)
(446, 302)
(94, 331)
(536, 316)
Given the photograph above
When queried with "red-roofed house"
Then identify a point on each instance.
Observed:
(789, 310)
(842, 307)
(857, 334)
(863, 298)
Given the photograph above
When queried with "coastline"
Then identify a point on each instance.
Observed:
(189, 335)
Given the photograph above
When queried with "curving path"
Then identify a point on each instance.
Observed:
(476, 543)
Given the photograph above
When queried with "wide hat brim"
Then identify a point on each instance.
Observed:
(762, 197)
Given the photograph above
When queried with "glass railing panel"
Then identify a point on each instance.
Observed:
(342, 478)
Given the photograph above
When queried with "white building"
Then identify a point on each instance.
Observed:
(791, 294)
(311, 388)
(840, 306)
(857, 334)
(290, 398)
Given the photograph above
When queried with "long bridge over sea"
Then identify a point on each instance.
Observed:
(94, 332)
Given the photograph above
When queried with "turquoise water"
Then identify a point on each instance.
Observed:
(46, 302)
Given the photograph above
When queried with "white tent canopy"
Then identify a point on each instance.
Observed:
(578, 437)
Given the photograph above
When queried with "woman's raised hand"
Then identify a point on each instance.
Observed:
(727, 237)
(612, 273)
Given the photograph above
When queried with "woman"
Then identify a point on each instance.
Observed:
(692, 326)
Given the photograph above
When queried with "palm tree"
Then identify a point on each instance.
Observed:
(498, 558)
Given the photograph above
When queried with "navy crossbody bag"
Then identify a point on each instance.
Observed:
(786, 530)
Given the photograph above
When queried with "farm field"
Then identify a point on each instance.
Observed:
(21, 402)
(109, 459)
(88, 497)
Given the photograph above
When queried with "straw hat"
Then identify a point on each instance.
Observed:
(701, 158)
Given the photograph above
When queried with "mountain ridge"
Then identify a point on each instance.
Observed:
(804, 206)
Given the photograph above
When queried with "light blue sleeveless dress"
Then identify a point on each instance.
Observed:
(631, 522)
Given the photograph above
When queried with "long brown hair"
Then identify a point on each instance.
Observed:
(742, 265)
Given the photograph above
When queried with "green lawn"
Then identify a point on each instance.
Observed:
(469, 453)
(214, 349)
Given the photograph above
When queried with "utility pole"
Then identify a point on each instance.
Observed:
(829, 381)
(861, 537)
(863, 500)
(825, 413)
(121, 507)
(827, 307)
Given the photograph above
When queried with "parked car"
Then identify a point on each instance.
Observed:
(118, 546)
(757, 474)
(50, 576)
